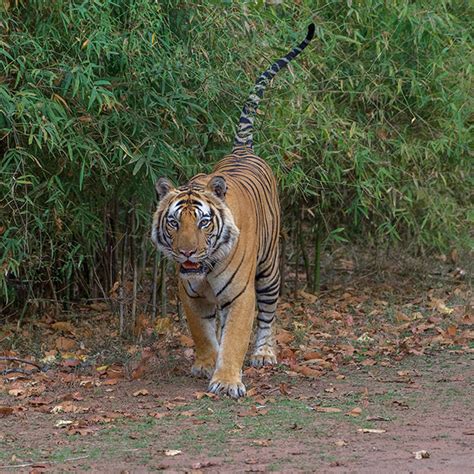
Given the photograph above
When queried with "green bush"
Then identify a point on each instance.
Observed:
(368, 132)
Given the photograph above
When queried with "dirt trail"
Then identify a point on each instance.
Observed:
(375, 368)
(424, 403)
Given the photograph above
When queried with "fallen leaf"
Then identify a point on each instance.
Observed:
(309, 297)
(327, 410)
(347, 349)
(143, 392)
(262, 442)
(365, 338)
(172, 452)
(65, 344)
(200, 395)
(16, 392)
(451, 331)
(115, 372)
(284, 337)
(62, 423)
(71, 363)
(354, 412)
(401, 317)
(438, 304)
(140, 367)
(312, 355)
(252, 392)
(421, 454)
(251, 412)
(163, 326)
(63, 326)
(306, 371)
(401, 404)
(4, 410)
(81, 430)
(283, 387)
(203, 465)
(99, 307)
(110, 382)
(340, 443)
(68, 407)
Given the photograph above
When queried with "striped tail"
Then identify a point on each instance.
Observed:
(244, 136)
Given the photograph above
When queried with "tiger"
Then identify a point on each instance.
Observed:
(222, 230)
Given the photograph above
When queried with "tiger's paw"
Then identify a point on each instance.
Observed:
(202, 371)
(203, 367)
(231, 389)
(263, 356)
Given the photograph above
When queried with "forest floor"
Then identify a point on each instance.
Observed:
(375, 374)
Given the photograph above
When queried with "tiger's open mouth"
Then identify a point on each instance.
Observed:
(191, 267)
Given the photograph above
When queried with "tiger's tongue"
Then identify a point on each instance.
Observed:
(190, 265)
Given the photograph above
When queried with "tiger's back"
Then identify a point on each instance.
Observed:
(252, 181)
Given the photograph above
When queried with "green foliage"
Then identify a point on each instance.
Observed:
(368, 131)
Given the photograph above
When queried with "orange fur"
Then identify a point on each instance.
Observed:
(228, 285)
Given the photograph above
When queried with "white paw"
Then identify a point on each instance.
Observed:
(233, 390)
(263, 356)
(202, 371)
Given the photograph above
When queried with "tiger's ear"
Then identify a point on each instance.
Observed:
(218, 186)
(163, 186)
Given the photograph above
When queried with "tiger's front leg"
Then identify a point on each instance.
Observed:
(201, 316)
(236, 329)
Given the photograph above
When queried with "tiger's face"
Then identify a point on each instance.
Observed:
(194, 226)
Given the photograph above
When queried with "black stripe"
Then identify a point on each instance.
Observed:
(235, 297)
(229, 281)
(244, 134)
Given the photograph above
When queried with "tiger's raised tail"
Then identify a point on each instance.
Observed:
(244, 136)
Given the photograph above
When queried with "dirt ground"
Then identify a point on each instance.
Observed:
(373, 373)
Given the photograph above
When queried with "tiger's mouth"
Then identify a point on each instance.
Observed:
(191, 267)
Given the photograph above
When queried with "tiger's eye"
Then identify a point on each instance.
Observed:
(172, 222)
(204, 222)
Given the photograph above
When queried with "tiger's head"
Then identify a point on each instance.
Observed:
(193, 225)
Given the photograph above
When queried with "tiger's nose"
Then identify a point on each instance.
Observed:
(187, 253)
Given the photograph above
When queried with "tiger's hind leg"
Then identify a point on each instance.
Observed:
(268, 289)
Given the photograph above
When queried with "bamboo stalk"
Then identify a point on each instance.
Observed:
(154, 286)
(122, 303)
(53, 291)
(179, 309)
(283, 265)
(144, 256)
(134, 263)
(316, 283)
(164, 303)
(304, 254)
(296, 228)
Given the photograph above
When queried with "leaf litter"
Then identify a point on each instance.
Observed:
(318, 337)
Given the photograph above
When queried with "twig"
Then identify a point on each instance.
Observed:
(16, 370)
(39, 463)
(23, 361)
